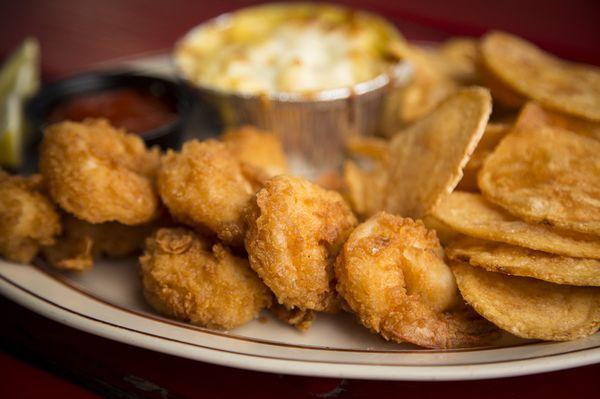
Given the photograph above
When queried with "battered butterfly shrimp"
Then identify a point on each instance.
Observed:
(257, 150)
(28, 219)
(82, 242)
(99, 173)
(296, 229)
(392, 274)
(203, 186)
(186, 277)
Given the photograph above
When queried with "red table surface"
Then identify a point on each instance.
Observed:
(41, 358)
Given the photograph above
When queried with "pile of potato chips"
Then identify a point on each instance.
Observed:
(513, 192)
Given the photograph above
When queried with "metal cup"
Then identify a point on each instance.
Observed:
(314, 128)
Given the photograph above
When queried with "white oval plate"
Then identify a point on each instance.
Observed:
(107, 301)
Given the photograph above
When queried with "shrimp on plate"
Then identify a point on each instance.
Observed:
(391, 273)
(204, 187)
(208, 183)
(99, 173)
(296, 229)
(257, 149)
(28, 219)
(186, 276)
(82, 242)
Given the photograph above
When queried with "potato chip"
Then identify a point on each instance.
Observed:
(460, 56)
(427, 158)
(547, 175)
(429, 86)
(494, 132)
(530, 308)
(559, 85)
(519, 261)
(470, 214)
(444, 233)
(533, 116)
(371, 147)
(501, 93)
(365, 188)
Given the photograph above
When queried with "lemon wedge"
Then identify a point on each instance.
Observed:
(19, 80)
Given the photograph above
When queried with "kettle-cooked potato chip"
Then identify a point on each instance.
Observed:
(445, 234)
(429, 86)
(510, 259)
(534, 116)
(427, 158)
(494, 132)
(365, 181)
(374, 148)
(501, 93)
(530, 308)
(459, 56)
(471, 215)
(365, 188)
(560, 85)
(547, 175)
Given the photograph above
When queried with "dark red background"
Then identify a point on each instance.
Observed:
(41, 358)
(78, 33)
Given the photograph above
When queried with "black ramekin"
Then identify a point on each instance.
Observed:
(167, 136)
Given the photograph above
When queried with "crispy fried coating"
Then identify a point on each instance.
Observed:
(28, 219)
(530, 308)
(296, 229)
(257, 149)
(99, 173)
(82, 242)
(299, 318)
(391, 273)
(204, 187)
(546, 175)
(518, 261)
(185, 276)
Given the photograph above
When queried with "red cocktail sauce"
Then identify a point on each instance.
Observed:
(133, 110)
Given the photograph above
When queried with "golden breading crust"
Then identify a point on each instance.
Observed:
(186, 277)
(204, 187)
(99, 173)
(391, 273)
(296, 229)
(83, 241)
(27, 218)
(258, 149)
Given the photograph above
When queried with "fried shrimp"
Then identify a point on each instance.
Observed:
(186, 277)
(392, 274)
(299, 318)
(82, 242)
(28, 219)
(204, 187)
(99, 173)
(257, 149)
(296, 229)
